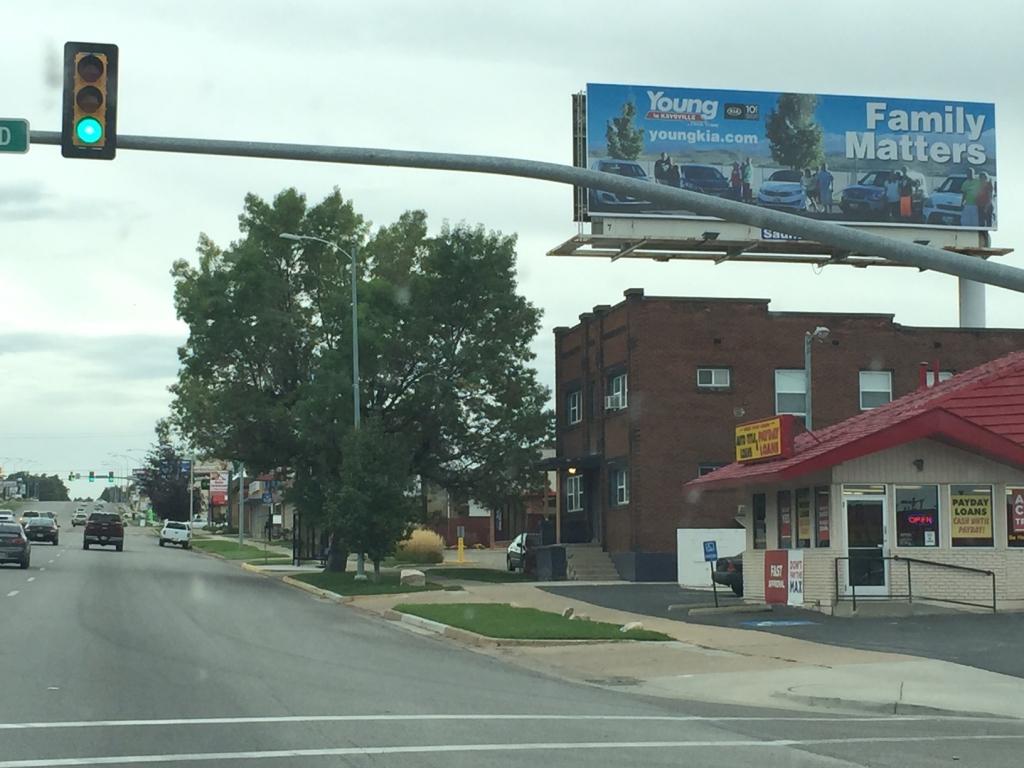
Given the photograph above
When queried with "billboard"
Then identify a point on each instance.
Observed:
(218, 489)
(849, 159)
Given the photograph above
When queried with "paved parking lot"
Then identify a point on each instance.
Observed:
(987, 641)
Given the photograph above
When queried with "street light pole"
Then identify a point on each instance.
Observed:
(360, 557)
(820, 334)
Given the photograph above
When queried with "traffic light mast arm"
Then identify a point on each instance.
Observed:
(827, 233)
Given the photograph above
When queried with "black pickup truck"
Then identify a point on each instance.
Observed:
(729, 571)
(105, 529)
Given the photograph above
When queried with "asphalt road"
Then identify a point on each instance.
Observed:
(160, 656)
(982, 640)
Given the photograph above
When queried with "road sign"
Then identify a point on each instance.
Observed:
(13, 135)
(268, 497)
(710, 551)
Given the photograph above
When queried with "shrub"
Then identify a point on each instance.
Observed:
(422, 547)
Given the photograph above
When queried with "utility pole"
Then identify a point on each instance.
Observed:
(820, 333)
(191, 488)
(241, 501)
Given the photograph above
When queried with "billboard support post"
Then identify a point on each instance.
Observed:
(912, 254)
(972, 303)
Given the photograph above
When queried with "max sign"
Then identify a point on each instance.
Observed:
(784, 576)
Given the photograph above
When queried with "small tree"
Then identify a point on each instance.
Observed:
(163, 480)
(625, 141)
(793, 136)
(374, 505)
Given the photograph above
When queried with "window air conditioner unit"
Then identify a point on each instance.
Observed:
(613, 402)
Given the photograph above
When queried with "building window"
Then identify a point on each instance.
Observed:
(970, 513)
(803, 517)
(917, 515)
(574, 407)
(791, 391)
(714, 378)
(1015, 517)
(943, 376)
(784, 505)
(618, 485)
(574, 493)
(707, 468)
(821, 516)
(617, 397)
(760, 520)
(875, 389)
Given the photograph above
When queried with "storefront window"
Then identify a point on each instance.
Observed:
(821, 516)
(803, 517)
(917, 516)
(760, 529)
(784, 502)
(1015, 516)
(970, 509)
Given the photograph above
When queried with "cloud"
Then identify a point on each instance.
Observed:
(135, 357)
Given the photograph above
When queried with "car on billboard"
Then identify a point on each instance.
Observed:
(945, 204)
(867, 196)
(601, 201)
(783, 189)
(704, 178)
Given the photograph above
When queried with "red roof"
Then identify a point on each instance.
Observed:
(980, 410)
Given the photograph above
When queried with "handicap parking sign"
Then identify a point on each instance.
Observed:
(710, 551)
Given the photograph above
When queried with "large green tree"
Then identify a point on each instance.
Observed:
(445, 356)
(625, 141)
(794, 137)
(42, 487)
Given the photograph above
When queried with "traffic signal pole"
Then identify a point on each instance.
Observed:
(841, 237)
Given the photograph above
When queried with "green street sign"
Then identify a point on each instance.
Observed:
(13, 135)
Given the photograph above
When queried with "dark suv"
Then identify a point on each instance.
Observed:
(104, 529)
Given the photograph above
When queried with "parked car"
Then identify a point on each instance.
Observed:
(945, 204)
(43, 528)
(104, 529)
(198, 522)
(14, 545)
(729, 571)
(783, 189)
(600, 201)
(704, 178)
(867, 196)
(515, 555)
(79, 518)
(27, 515)
(174, 532)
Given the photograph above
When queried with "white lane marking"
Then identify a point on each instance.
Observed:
(12, 593)
(42, 568)
(30, 579)
(400, 718)
(50, 562)
(279, 754)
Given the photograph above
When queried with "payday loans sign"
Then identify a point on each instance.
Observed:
(765, 439)
(758, 147)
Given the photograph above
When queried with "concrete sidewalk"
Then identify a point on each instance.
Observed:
(740, 666)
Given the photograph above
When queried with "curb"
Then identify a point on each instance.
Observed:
(323, 593)
(710, 609)
(876, 707)
(483, 641)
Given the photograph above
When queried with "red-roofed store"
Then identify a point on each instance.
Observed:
(919, 499)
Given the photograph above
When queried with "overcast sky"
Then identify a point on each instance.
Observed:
(87, 328)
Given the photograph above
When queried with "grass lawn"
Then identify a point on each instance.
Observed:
(230, 549)
(503, 621)
(345, 583)
(478, 574)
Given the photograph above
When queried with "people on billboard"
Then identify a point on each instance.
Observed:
(810, 183)
(893, 187)
(661, 168)
(747, 174)
(908, 187)
(736, 182)
(984, 200)
(673, 177)
(969, 193)
(825, 182)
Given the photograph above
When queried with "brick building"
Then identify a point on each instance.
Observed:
(648, 392)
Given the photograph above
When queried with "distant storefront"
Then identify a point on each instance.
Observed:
(921, 497)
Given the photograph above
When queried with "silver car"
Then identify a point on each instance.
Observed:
(14, 545)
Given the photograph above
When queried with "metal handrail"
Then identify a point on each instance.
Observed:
(910, 589)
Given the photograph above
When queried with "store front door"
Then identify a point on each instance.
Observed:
(865, 546)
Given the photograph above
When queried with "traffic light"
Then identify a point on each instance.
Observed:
(110, 477)
(92, 476)
(89, 127)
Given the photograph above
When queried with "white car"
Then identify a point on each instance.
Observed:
(945, 205)
(6, 516)
(783, 189)
(174, 532)
(198, 522)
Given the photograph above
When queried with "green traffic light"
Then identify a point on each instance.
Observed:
(89, 130)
